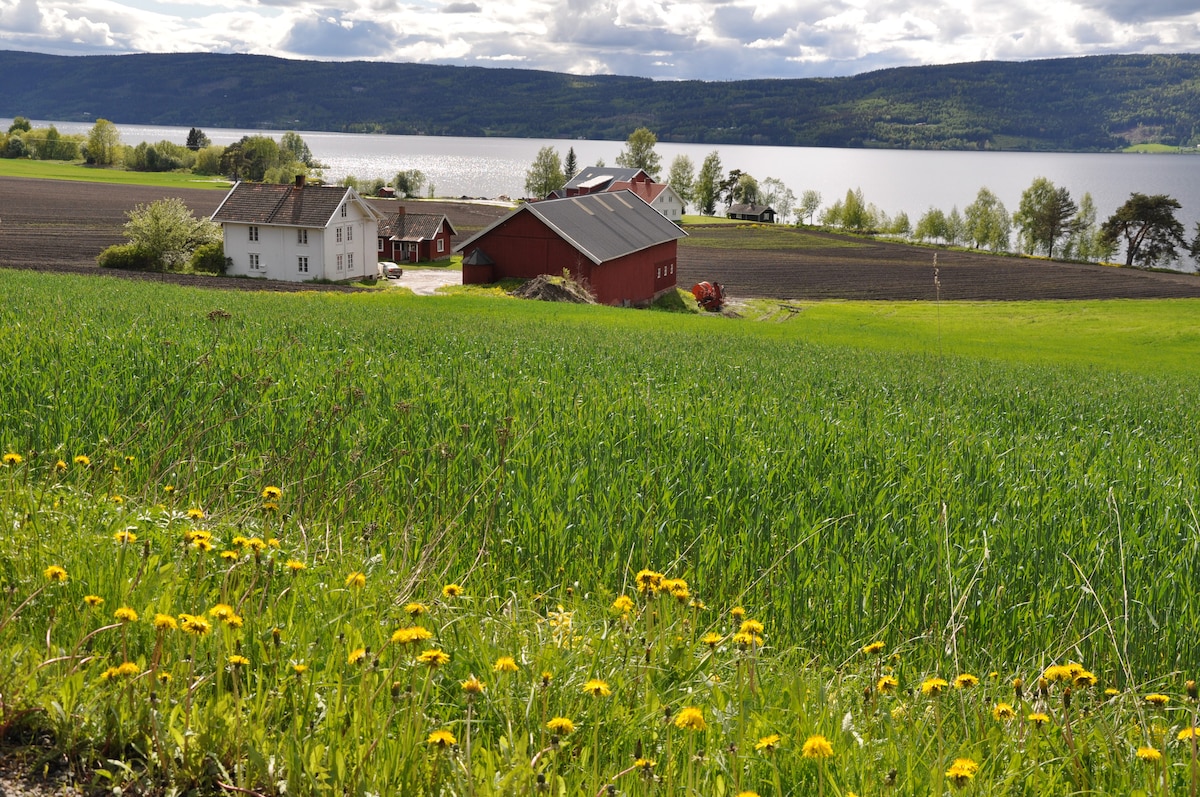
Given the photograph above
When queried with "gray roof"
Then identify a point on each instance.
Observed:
(413, 226)
(589, 176)
(288, 205)
(754, 210)
(602, 227)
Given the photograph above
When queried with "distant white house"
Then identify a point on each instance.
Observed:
(602, 179)
(298, 232)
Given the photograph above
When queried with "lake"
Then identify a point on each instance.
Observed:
(893, 180)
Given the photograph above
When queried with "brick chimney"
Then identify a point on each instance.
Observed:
(299, 180)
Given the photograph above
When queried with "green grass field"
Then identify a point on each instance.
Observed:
(985, 490)
(59, 170)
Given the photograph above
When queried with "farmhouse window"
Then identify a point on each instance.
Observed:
(339, 262)
(349, 233)
(343, 211)
(380, 244)
(302, 236)
(441, 244)
(339, 235)
(350, 261)
(253, 233)
(254, 262)
(302, 264)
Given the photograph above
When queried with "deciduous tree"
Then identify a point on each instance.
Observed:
(545, 175)
(1148, 228)
(293, 146)
(708, 184)
(931, 226)
(408, 182)
(987, 222)
(681, 177)
(103, 146)
(810, 203)
(639, 153)
(773, 193)
(167, 231)
(197, 140)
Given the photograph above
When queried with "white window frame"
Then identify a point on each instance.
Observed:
(338, 238)
(343, 211)
(302, 264)
(302, 237)
(253, 232)
(349, 233)
(441, 245)
(255, 263)
(349, 261)
(380, 244)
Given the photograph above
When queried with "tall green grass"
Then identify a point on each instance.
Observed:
(974, 514)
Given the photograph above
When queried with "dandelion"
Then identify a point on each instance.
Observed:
(82, 460)
(711, 639)
(932, 687)
(690, 719)
(873, 649)
(1187, 734)
(887, 684)
(295, 565)
(240, 541)
(596, 688)
(1157, 700)
(747, 794)
(676, 587)
(168, 489)
(299, 669)
(767, 744)
(415, 609)
(1111, 692)
(473, 686)
(93, 600)
(754, 627)
(737, 613)
(547, 677)
(414, 633)
(962, 772)
(357, 579)
(746, 640)
(356, 656)
(229, 556)
(257, 545)
(126, 615)
(623, 604)
(163, 677)
(644, 765)
(1085, 679)
(165, 622)
(451, 591)
(647, 581)
(116, 499)
(434, 657)
(1002, 712)
(1150, 755)
(238, 661)
(55, 573)
(272, 493)
(505, 664)
(817, 746)
(13, 458)
(1057, 672)
(560, 726)
(60, 466)
(441, 739)
(222, 611)
(195, 513)
(1038, 719)
(124, 670)
(194, 624)
(965, 681)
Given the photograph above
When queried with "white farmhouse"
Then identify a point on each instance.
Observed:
(298, 232)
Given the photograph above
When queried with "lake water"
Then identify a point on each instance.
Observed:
(892, 180)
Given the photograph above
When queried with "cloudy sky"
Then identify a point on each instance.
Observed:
(664, 39)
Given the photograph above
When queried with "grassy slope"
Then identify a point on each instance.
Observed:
(59, 170)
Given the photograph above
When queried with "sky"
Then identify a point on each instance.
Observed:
(661, 39)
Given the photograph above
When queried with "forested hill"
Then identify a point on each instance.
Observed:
(1094, 103)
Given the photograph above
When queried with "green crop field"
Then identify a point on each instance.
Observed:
(367, 544)
(60, 170)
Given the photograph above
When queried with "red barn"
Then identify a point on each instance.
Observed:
(615, 243)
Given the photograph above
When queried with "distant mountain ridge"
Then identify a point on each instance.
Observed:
(1072, 104)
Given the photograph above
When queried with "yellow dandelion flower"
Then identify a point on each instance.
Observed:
(195, 513)
(168, 488)
(229, 556)
(60, 466)
(1111, 692)
(873, 649)
(126, 615)
(221, 611)
(411, 634)
(165, 622)
(233, 621)
(434, 657)
(441, 739)
(82, 459)
(645, 765)
(677, 588)
(257, 545)
(357, 579)
(623, 604)
(1002, 712)
(1057, 672)
(560, 726)
(415, 609)
(451, 591)
(745, 640)
(962, 772)
(295, 565)
(1038, 719)
(194, 624)
(1186, 734)
(712, 639)
(116, 499)
(747, 794)
(202, 544)
(1150, 755)
(1157, 699)
(163, 677)
(737, 613)
(238, 661)
(13, 458)
(299, 669)
(690, 719)
(767, 744)
(240, 541)
(55, 573)
(1085, 679)
(271, 493)
(751, 627)
(817, 746)
(596, 688)
(887, 684)
(547, 677)
(356, 656)
(647, 581)
(505, 664)
(473, 686)
(93, 600)
(273, 542)
(932, 687)
(965, 681)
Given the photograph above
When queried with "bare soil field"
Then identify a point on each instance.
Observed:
(62, 226)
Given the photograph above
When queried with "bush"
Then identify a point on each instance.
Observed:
(209, 259)
(130, 257)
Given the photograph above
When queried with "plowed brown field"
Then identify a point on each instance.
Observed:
(63, 226)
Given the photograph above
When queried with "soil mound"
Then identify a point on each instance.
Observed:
(554, 289)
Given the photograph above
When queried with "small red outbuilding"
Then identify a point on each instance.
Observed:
(615, 243)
